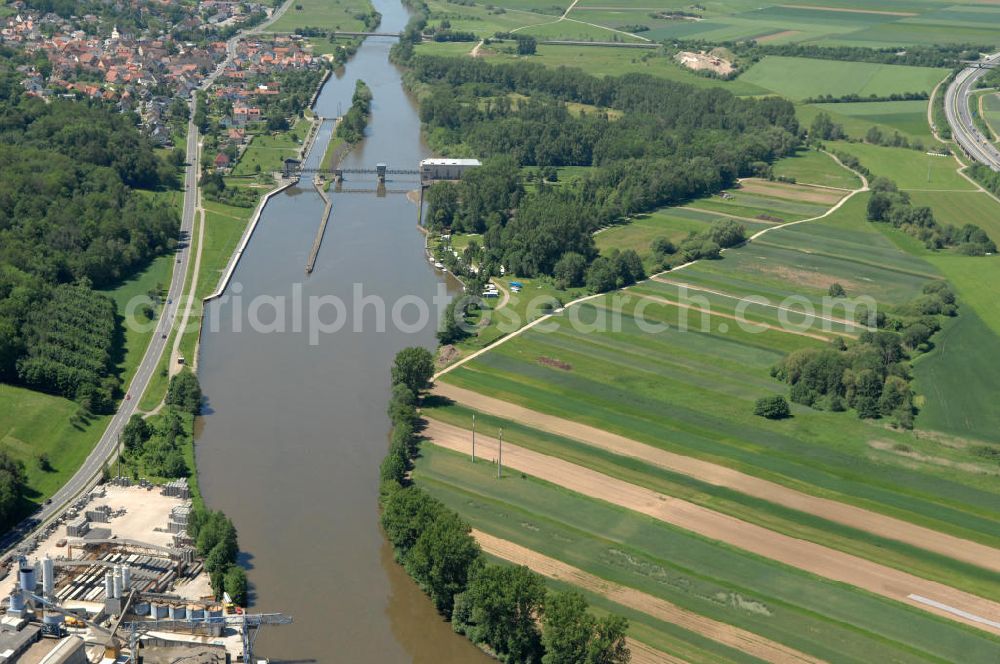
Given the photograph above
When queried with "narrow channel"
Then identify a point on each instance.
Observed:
(293, 432)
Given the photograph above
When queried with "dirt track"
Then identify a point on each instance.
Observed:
(819, 560)
(848, 515)
(734, 637)
(643, 654)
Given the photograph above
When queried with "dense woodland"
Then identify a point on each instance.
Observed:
(71, 221)
(506, 609)
(673, 142)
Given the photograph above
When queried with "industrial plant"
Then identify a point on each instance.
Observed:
(117, 579)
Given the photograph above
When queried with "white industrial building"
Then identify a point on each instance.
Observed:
(445, 169)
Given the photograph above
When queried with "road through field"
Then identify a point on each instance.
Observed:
(705, 471)
(720, 632)
(808, 556)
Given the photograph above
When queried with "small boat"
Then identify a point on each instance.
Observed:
(439, 265)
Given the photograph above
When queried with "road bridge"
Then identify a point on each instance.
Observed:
(343, 33)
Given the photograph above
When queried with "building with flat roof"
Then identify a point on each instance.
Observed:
(446, 169)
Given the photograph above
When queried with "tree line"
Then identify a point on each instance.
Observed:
(888, 204)
(216, 541)
(505, 608)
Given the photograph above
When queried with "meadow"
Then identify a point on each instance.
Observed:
(909, 118)
(799, 78)
(323, 14)
(814, 167)
(909, 169)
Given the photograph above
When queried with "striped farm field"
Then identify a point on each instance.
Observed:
(635, 470)
(804, 260)
(800, 611)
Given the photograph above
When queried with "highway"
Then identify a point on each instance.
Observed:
(89, 474)
(963, 129)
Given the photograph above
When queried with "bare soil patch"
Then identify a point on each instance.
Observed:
(832, 510)
(446, 354)
(734, 637)
(791, 192)
(808, 556)
(807, 278)
(703, 60)
(556, 364)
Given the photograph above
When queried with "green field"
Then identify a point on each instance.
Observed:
(798, 78)
(827, 620)
(910, 169)
(909, 118)
(813, 167)
(796, 524)
(324, 14)
(692, 392)
(642, 229)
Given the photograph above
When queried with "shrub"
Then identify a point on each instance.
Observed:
(773, 407)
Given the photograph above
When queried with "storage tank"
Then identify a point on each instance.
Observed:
(126, 577)
(141, 608)
(196, 613)
(109, 585)
(27, 575)
(52, 619)
(16, 602)
(48, 576)
(180, 612)
(158, 611)
(214, 615)
(117, 581)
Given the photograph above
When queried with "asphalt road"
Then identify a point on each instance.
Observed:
(89, 474)
(963, 129)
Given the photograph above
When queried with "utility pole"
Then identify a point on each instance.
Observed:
(500, 456)
(473, 438)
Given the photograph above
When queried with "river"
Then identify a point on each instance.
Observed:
(293, 431)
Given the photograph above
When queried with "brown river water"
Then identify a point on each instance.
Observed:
(295, 427)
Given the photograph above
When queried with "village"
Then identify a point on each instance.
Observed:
(91, 57)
